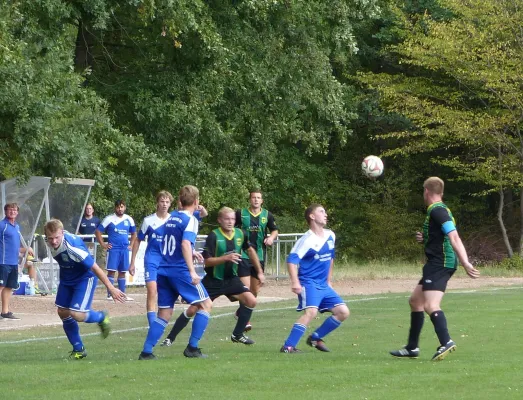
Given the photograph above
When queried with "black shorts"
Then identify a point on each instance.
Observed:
(227, 287)
(9, 276)
(435, 277)
(245, 268)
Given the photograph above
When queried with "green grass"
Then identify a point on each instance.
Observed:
(486, 326)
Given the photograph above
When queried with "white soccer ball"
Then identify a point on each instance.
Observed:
(372, 166)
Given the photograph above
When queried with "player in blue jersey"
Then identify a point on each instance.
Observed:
(177, 277)
(310, 266)
(118, 226)
(78, 278)
(152, 229)
(443, 248)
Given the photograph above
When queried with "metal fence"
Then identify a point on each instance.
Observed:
(48, 272)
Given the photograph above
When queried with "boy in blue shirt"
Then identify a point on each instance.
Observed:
(311, 281)
(118, 226)
(78, 278)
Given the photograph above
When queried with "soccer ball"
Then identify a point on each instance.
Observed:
(372, 166)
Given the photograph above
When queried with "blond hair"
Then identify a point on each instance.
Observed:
(164, 194)
(53, 226)
(188, 195)
(434, 185)
(224, 210)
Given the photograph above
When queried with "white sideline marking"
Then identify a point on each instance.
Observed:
(44, 339)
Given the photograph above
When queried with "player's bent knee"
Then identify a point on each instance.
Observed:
(341, 313)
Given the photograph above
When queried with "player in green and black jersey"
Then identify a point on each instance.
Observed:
(257, 221)
(443, 248)
(222, 254)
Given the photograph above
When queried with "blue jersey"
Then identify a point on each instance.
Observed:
(180, 226)
(74, 260)
(313, 255)
(9, 242)
(88, 226)
(153, 228)
(118, 230)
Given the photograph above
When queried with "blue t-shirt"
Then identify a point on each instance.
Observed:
(313, 255)
(153, 228)
(118, 230)
(9, 242)
(74, 260)
(88, 226)
(180, 226)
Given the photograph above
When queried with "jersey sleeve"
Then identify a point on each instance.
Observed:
(300, 248)
(441, 216)
(103, 225)
(271, 222)
(142, 233)
(238, 223)
(209, 250)
(78, 252)
(191, 230)
(132, 225)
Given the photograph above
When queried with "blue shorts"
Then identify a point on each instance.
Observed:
(169, 288)
(78, 296)
(117, 260)
(322, 298)
(150, 273)
(9, 276)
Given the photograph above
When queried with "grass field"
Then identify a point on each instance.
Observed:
(485, 324)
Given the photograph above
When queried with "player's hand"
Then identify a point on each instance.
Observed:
(132, 269)
(471, 271)
(195, 278)
(118, 295)
(233, 257)
(268, 241)
(296, 287)
(261, 278)
(419, 237)
(198, 257)
(107, 246)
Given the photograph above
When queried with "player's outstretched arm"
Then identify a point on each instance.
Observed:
(293, 274)
(459, 248)
(117, 295)
(256, 263)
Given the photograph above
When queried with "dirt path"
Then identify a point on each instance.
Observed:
(40, 311)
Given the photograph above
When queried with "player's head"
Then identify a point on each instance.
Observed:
(89, 210)
(255, 198)
(432, 187)
(163, 200)
(54, 232)
(226, 218)
(11, 210)
(119, 207)
(189, 195)
(316, 214)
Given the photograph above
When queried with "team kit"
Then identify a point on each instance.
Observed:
(233, 259)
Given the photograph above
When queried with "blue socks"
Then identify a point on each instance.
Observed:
(327, 327)
(151, 316)
(121, 284)
(154, 334)
(94, 317)
(200, 322)
(72, 331)
(296, 333)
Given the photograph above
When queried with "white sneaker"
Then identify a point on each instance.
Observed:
(127, 298)
(109, 297)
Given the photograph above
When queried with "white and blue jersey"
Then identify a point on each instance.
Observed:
(180, 226)
(74, 260)
(9, 242)
(153, 228)
(118, 230)
(313, 255)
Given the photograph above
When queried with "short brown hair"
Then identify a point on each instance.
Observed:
(255, 190)
(188, 195)
(225, 210)
(53, 225)
(164, 193)
(310, 210)
(11, 205)
(434, 185)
